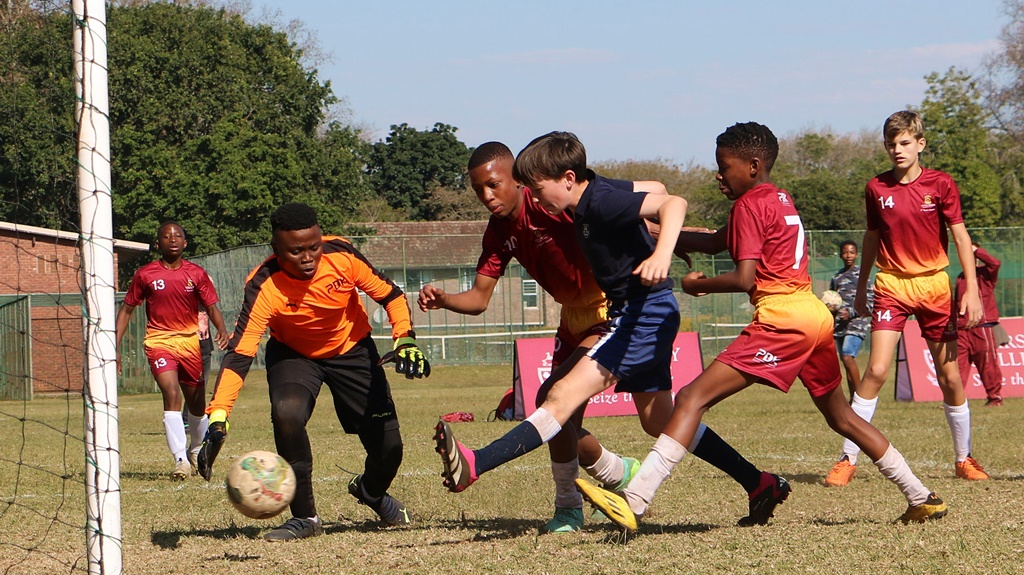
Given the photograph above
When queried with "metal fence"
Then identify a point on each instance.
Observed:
(451, 338)
(15, 348)
(518, 309)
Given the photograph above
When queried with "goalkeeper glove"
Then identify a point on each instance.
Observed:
(212, 443)
(408, 358)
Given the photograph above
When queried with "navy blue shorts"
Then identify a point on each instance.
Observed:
(638, 346)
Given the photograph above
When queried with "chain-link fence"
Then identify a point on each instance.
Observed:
(519, 308)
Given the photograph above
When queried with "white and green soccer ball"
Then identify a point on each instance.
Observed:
(260, 484)
(832, 300)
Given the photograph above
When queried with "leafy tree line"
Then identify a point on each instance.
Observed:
(216, 120)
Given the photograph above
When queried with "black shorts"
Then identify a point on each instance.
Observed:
(362, 396)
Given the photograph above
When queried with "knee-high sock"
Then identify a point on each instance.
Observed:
(895, 469)
(565, 475)
(174, 427)
(608, 469)
(665, 454)
(537, 430)
(708, 446)
(865, 408)
(959, 419)
(197, 426)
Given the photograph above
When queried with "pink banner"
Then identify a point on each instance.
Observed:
(915, 370)
(532, 365)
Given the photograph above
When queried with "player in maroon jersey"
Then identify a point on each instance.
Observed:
(174, 289)
(978, 344)
(790, 335)
(547, 247)
(912, 280)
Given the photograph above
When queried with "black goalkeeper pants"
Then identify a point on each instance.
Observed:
(362, 400)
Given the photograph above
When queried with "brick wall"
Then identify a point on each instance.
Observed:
(41, 263)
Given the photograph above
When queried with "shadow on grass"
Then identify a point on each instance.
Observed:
(806, 478)
(171, 539)
(491, 529)
(146, 475)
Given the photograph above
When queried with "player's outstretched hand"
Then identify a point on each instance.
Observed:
(212, 443)
(408, 358)
(430, 298)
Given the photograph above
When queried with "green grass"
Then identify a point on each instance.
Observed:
(188, 528)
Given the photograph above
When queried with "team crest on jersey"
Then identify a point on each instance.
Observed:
(586, 230)
(928, 204)
(189, 286)
(539, 236)
(783, 198)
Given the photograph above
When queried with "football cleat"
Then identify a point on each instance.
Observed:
(459, 462)
(613, 505)
(932, 508)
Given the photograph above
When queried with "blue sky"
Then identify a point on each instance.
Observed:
(637, 80)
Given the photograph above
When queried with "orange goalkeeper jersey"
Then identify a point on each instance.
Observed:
(319, 318)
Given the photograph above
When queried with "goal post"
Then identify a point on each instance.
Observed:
(99, 397)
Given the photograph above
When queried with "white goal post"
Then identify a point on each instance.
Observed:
(99, 396)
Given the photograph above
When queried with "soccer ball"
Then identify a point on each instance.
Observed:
(832, 300)
(260, 484)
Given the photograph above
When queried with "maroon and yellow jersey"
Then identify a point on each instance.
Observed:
(765, 226)
(546, 247)
(172, 298)
(911, 221)
(319, 318)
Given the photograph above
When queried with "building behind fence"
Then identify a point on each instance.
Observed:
(444, 254)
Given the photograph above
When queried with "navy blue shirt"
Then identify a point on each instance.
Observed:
(614, 237)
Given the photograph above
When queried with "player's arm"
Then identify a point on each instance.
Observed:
(473, 301)
(217, 319)
(670, 211)
(702, 240)
(970, 305)
(124, 315)
(868, 255)
(406, 354)
(252, 323)
(739, 280)
(991, 262)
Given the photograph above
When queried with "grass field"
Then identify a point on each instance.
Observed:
(189, 528)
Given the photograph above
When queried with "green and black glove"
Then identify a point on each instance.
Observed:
(408, 358)
(212, 443)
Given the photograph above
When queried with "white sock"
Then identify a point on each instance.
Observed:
(665, 454)
(696, 438)
(959, 419)
(894, 467)
(865, 408)
(565, 475)
(608, 469)
(197, 426)
(546, 424)
(174, 427)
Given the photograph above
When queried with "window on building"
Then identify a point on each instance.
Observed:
(466, 278)
(416, 279)
(531, 294)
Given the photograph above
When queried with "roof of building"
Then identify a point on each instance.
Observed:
(21, 229)
(424, 244)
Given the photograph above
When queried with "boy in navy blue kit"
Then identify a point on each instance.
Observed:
(632, 269)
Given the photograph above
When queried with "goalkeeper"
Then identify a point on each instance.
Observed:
(319, 333)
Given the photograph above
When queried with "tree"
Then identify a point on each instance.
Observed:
(214, 123)
(37, 148)
(408, 164)
(706, 206)
(826, 173)
(1002, 85)
(959, 144)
